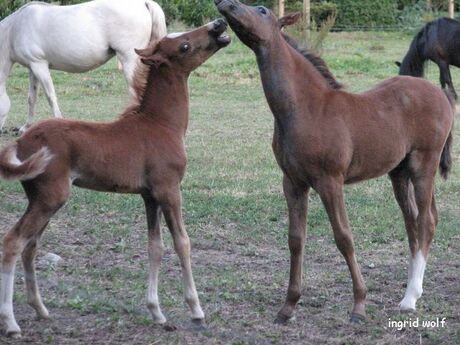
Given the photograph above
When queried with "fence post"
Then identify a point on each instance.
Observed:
(281, 8)
(306, 13)
(451, 8)
(306, 17)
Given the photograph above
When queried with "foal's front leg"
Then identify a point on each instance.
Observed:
(155, 250)
(171, 207)
(331, 193)
(297, 201)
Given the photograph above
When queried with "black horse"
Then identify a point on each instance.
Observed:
(438, 41)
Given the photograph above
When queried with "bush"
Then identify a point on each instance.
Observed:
(366, 13)
(321, 11)
(413, 17)
(196, 12)
(8, 7)
(170, 9)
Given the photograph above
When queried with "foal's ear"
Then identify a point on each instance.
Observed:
(155, 60)
(146, 52)
(143, 52)
(289, 19)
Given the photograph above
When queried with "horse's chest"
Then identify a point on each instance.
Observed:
(289, 158)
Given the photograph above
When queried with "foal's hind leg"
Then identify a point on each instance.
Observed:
(330, 190)
(171, 207)
(14, 243)
(404, 194)
(42, 205)
(423, 170)
(32, 100)
(155, 250)
(28, 260)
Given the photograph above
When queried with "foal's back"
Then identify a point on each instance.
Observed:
(118, 156)
(366, 135)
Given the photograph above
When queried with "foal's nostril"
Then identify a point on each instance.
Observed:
(218, 24)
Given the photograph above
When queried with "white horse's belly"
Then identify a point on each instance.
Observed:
(78, 38)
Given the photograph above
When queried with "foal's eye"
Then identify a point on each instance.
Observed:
(262, 9)
(184, 47)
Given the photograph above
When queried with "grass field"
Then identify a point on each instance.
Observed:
(236, 217)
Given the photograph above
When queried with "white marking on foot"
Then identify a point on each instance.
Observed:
(6, 303)
(414, 286)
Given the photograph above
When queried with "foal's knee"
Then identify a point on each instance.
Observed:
(53, 204)
(182, 243)
(344, 241)
(295, 243)
(13, 245)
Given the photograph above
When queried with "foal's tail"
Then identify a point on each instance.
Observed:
(158, 20)
(445, 164)
(11, 168)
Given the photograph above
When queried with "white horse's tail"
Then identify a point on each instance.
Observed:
(158, 20)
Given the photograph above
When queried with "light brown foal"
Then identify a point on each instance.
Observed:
(326, 137)
(142, 152)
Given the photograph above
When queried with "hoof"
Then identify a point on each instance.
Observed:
(198, 325)
(357, 319)
(23, 129)
(407, 305)
(283, 319)
(13, 334)
(159, 321)
(406, 310)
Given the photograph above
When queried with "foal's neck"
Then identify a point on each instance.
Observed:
(166, 98)
(288, 78)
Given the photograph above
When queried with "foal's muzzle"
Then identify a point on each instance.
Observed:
(217, 29)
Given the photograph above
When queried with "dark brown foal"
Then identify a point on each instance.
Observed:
(142, 152)
(326, 137)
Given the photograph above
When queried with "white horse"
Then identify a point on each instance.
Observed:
(75, 38)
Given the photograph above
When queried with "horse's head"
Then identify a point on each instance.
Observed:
(256, 26)
(186, 51)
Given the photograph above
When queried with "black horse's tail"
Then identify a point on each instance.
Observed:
(414, 62)
(445, 164)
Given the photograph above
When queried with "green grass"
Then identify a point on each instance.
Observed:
(236, 217)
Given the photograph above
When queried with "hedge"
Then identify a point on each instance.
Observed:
(351, 14)
(366, 13)
(9, 6)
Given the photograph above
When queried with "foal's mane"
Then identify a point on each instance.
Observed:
(139, 83)
(316, 60)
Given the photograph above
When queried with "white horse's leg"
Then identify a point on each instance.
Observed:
(42, 74)
(5, 103)
(32, 100)
(129, 62)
